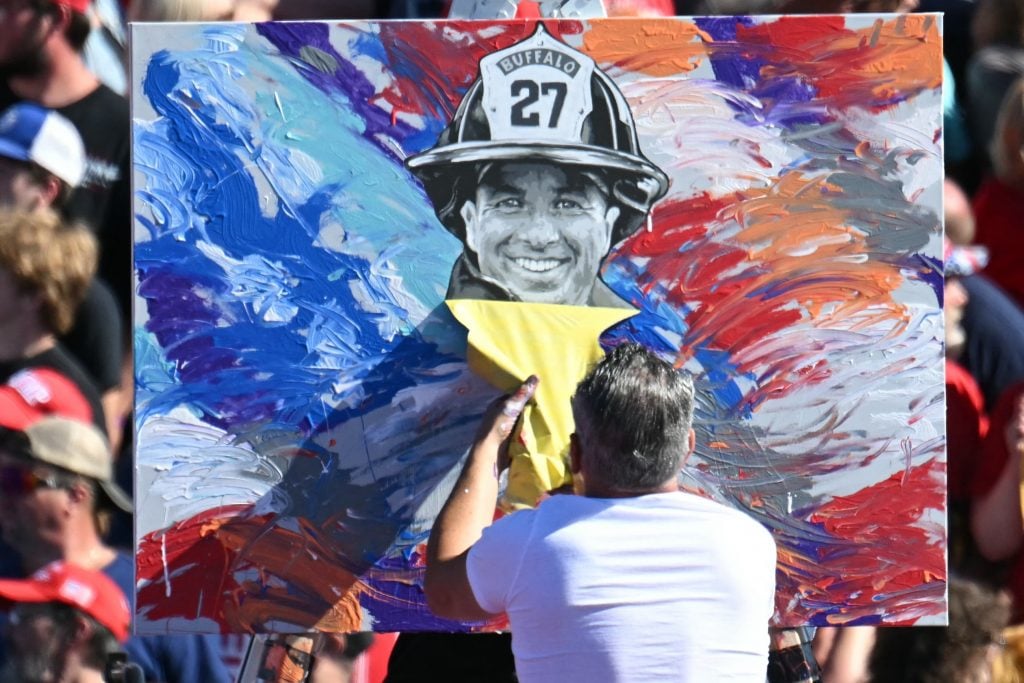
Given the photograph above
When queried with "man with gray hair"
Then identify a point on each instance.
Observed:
(632, 579)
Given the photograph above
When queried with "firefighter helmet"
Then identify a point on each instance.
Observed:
(541, 100)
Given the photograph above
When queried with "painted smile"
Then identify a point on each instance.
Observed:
(538, 265)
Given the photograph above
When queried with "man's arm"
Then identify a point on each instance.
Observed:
(996, 516)
(469, 509)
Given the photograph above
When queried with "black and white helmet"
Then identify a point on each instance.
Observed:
(541, 100)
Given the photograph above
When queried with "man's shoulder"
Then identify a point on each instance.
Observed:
(677, 507)
(121, 571)
(669, 509)
(101, 99)
(518, 519)
(102, 118)
(721, 525)
(728, 514)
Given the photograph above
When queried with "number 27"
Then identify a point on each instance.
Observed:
(532, 92)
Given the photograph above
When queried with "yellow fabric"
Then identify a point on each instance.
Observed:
(509, 341)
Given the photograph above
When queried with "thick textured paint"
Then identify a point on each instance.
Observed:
(903, 571)
(658, 48)
(869, 67)
(214, 553)
(291, 277)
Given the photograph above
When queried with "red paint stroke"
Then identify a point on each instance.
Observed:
(893, 552)
(870, 67)
(746, 274)
(243, 571)
(699, 281)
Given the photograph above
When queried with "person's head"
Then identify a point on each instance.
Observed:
(181, 10)
(634, 415)
(540, 104)
(56, 482)
(1007, 147)
(28, 29)
(958, 216)
(540, 229)
(42, 158)
(45, 268)
(62, 620)
(997, 22)
(963, 652)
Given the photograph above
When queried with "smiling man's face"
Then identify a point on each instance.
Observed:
(540, 230)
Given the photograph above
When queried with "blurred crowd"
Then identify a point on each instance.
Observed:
(65, 355)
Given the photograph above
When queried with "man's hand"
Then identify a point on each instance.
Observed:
(470, 508)
(997, 521)
(500, 419)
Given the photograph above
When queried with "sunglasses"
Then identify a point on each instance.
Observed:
(19, 481)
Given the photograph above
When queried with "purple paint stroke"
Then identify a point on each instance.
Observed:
(396, 585)
(736, 67)
(742, 67)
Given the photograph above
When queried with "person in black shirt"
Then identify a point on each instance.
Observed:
(42, 160)
(41, 43)
(41, 62)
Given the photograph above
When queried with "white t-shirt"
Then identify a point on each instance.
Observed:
(662, 587)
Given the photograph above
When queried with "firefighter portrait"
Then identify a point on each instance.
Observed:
(539, 174)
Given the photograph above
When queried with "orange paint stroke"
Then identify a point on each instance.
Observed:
(775, 224)
(892, 56)
(295, 557)
(859, 292)
(656, 48)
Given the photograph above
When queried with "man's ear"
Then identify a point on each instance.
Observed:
(78, 492)
(469, 219)
(59, 17)
(83, 631)
(610, 216)
(691, 444)
(50, 191)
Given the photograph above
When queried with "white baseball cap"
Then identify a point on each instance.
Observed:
(32, 133)
(70, 444)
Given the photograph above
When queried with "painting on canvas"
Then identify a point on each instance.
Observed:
(758, 200)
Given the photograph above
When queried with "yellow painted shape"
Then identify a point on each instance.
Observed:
(508, 342)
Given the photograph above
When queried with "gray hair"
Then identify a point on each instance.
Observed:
(633, 414)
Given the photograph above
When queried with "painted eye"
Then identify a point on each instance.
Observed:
(565, 204)
(509, 203)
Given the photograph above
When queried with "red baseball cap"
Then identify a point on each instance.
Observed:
(80, 6)
(36, 392)
(92, 592)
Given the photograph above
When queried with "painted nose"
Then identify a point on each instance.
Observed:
(541, 231)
